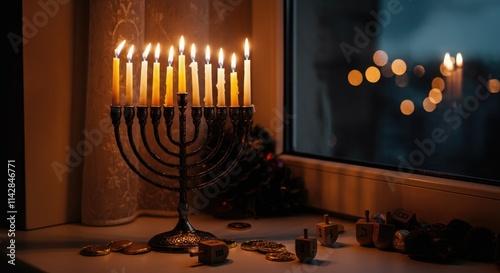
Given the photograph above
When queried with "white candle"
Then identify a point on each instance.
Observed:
(459, 63)
(234, 82)
(155, 97)
(194, 77)
(115, 86)
(169, 96)
(143, 90)
(129, 76)
(247, 91)
(182, 68)
(208, 79)
(221, 99)
(448, 64)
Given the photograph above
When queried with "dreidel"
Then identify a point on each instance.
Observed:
(364, 230)
(306, 247)
(326, 232)
(211, 252)
(383, 233)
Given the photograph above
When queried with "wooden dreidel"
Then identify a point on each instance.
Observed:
(326, 232)
(383, 233)
(306, 247)
(211, 252)
(364, 230)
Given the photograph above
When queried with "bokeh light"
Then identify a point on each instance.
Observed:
(419, 70)
(438, 83)
(398, 67)
(435, 96)
(428, 105)
(380, 58)
(494, 85)
(372, 74)
(407, 107)
(401, 80)
(387, 70)
(355, 77)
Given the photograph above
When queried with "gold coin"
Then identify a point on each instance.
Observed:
(239, 226)
(230, 243)
(270, 247)
(119, 245)
(251, 245)
(95, 250)
(284, 256)
(136, 249)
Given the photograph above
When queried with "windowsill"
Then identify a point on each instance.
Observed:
(351, 189)
(56, 249)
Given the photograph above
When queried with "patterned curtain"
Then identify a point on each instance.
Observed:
(111, 192)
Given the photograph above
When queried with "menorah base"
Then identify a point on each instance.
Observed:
(176, 241)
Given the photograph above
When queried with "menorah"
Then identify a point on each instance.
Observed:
(192, 164)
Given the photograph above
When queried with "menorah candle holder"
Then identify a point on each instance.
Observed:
(183, 237)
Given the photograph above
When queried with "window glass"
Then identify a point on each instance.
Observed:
(405, 85)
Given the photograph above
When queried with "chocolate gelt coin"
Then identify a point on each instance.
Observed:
(134, 249)
(239, 226)
(251, 245)
(118, 245)
(95, 250)
(230, 243)
(284, 256)
(270, 247)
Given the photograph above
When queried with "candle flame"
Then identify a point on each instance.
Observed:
(119, 48)
(146, 52)
(130, 53)
(459, 60)
(193, 53)
(157, 52)
(181, 45)
(233, 62)
(247, 49)
(171, 55)
(221, 57)
(447, 62)
(207, 54)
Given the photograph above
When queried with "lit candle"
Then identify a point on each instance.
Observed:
(143, 90)
(169, 96)
(208, 79)
(182, 67)
(115, 87)
(129, 83)
(155, 98)
(234, 82)
(194, 77)
(459, 62)
(247, 91)
(448, 64)
(221, 100)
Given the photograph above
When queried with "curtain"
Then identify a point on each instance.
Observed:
(112, 193)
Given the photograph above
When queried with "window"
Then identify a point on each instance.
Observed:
(409, 86)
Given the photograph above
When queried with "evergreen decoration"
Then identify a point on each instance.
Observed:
(260, 186)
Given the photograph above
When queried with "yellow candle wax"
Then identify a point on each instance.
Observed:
(208, 79)
(182, 68)
(194, 77)
(155, 97)
(234, 82)
(129, 83)
(247, 91)
(115, 86)
(169, 96)
(221, 99)
(143, 90)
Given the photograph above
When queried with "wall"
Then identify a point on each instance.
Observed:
(53, 103)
